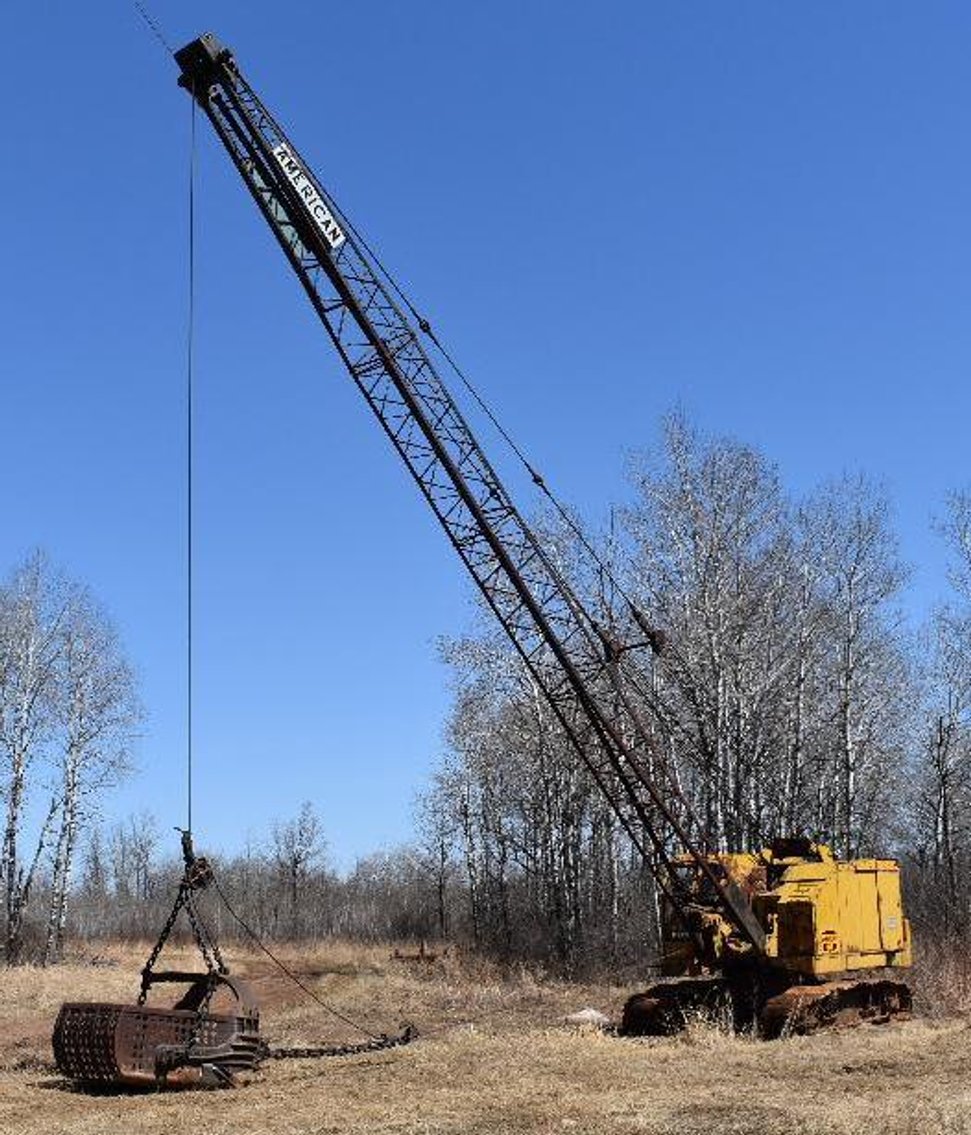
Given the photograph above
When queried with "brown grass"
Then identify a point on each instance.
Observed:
(495, 1056)
(941, 980)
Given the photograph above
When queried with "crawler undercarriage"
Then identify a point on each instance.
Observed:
(765, 1004)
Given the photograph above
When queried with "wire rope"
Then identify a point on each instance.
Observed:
(189, 416)
(157, 32)
(153, 26)
(537, 478)
(285, 969)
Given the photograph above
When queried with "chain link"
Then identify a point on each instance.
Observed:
(406, 1036)
(160, 944)
(197, 875)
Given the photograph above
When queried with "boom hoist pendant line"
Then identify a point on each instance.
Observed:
(141, 1045)
(783, 937)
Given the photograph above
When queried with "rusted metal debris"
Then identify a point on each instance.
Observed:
(665, 1007)
(137, 1045)
(422, 954)
(189, 1044)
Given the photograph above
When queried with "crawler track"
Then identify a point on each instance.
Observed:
(666, 1007)
(834, 1004)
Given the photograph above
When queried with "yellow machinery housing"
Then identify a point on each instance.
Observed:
(821, 916)
(829, 917)
(832, 929)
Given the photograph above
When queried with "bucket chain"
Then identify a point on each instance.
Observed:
(406, 1036)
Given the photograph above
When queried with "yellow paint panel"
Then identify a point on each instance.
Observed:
(891, 911)
(833, 917)
(867, 911)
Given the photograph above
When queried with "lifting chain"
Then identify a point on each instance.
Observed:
(197, 875)
(406, 1036)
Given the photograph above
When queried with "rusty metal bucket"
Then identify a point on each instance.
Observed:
(100, 1043)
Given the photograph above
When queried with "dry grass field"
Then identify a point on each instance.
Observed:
(495, 1056)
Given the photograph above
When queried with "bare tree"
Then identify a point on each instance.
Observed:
(715, 567)
(438, 831)
(298, 846)
(941, 818)
(33, 607)
(67, 716)
(542, 859)
(98, 713)
(846, 529)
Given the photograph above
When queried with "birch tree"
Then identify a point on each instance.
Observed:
(715, 568)
(32, 612)
(544, 863)
(67, 715)
(98, 712)
(846, 528)
(941, 821)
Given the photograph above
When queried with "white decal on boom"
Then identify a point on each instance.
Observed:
(310, 197)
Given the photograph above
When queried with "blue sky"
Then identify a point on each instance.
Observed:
(758, 211)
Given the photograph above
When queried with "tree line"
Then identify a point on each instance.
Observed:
(786, 693)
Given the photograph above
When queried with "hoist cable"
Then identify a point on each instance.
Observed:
(153, 26)
(285, 969)
(189, 407)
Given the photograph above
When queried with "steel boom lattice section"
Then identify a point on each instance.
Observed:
(550, 628)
